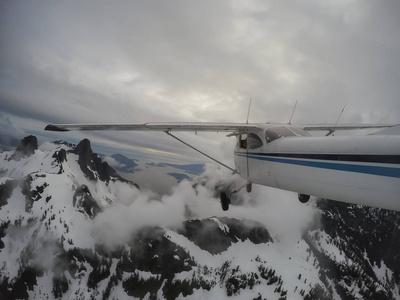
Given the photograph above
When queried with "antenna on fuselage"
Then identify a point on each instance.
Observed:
(337, 121)
(290, 121)
(248, 112)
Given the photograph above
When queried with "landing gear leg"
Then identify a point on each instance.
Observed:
(225, 201)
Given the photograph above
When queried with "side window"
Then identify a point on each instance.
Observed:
(253, 141)
(242, 140)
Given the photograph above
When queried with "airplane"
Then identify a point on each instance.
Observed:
(354, 169)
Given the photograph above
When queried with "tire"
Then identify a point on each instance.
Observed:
(224, 201)
(249, 187)
(303, 198)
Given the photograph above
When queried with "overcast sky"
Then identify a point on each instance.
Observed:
(145, 61)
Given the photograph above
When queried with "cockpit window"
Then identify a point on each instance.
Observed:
(242, 141)
(253, 141)
(275, 133)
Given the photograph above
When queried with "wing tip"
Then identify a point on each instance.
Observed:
(51, 127)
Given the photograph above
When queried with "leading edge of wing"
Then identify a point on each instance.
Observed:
(158, 126)
(344, 127)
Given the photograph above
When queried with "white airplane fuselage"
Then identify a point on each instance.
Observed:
(355, 169)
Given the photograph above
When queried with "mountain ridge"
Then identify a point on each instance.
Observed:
(71, 227)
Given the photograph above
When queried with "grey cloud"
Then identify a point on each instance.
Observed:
(9, 134)
(134, 61)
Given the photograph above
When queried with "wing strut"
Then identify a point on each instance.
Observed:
(201, 152)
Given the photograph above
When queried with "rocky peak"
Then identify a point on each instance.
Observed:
(60, 156)
(85, 152)
(26, 148)
(89, 162)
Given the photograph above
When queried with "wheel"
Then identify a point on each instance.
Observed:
(249, 187)
(303, 198)
(224, 201)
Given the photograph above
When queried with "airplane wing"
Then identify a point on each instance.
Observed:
(393, 130)
(201, 126)
(332, 128)
(158, 126)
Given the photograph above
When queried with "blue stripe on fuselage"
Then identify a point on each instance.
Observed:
(348, 167)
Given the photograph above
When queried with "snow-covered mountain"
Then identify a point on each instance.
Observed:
(72, 228)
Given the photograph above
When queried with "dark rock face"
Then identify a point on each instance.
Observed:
(90, 161)
(152, 251)
(27, 147)
(209, 236)
(366, 237)
(6, 190)
(85, 159)
(32, 194)
(84, 150)
(60, 156)
(3, 228)
(92, 165)
(84, 201)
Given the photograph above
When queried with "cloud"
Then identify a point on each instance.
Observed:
(279, 211)
(152, 61)
(135, 210)
(113, 162)
(9, 134)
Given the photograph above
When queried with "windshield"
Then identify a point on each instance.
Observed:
(275, 133)
(299, 131)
